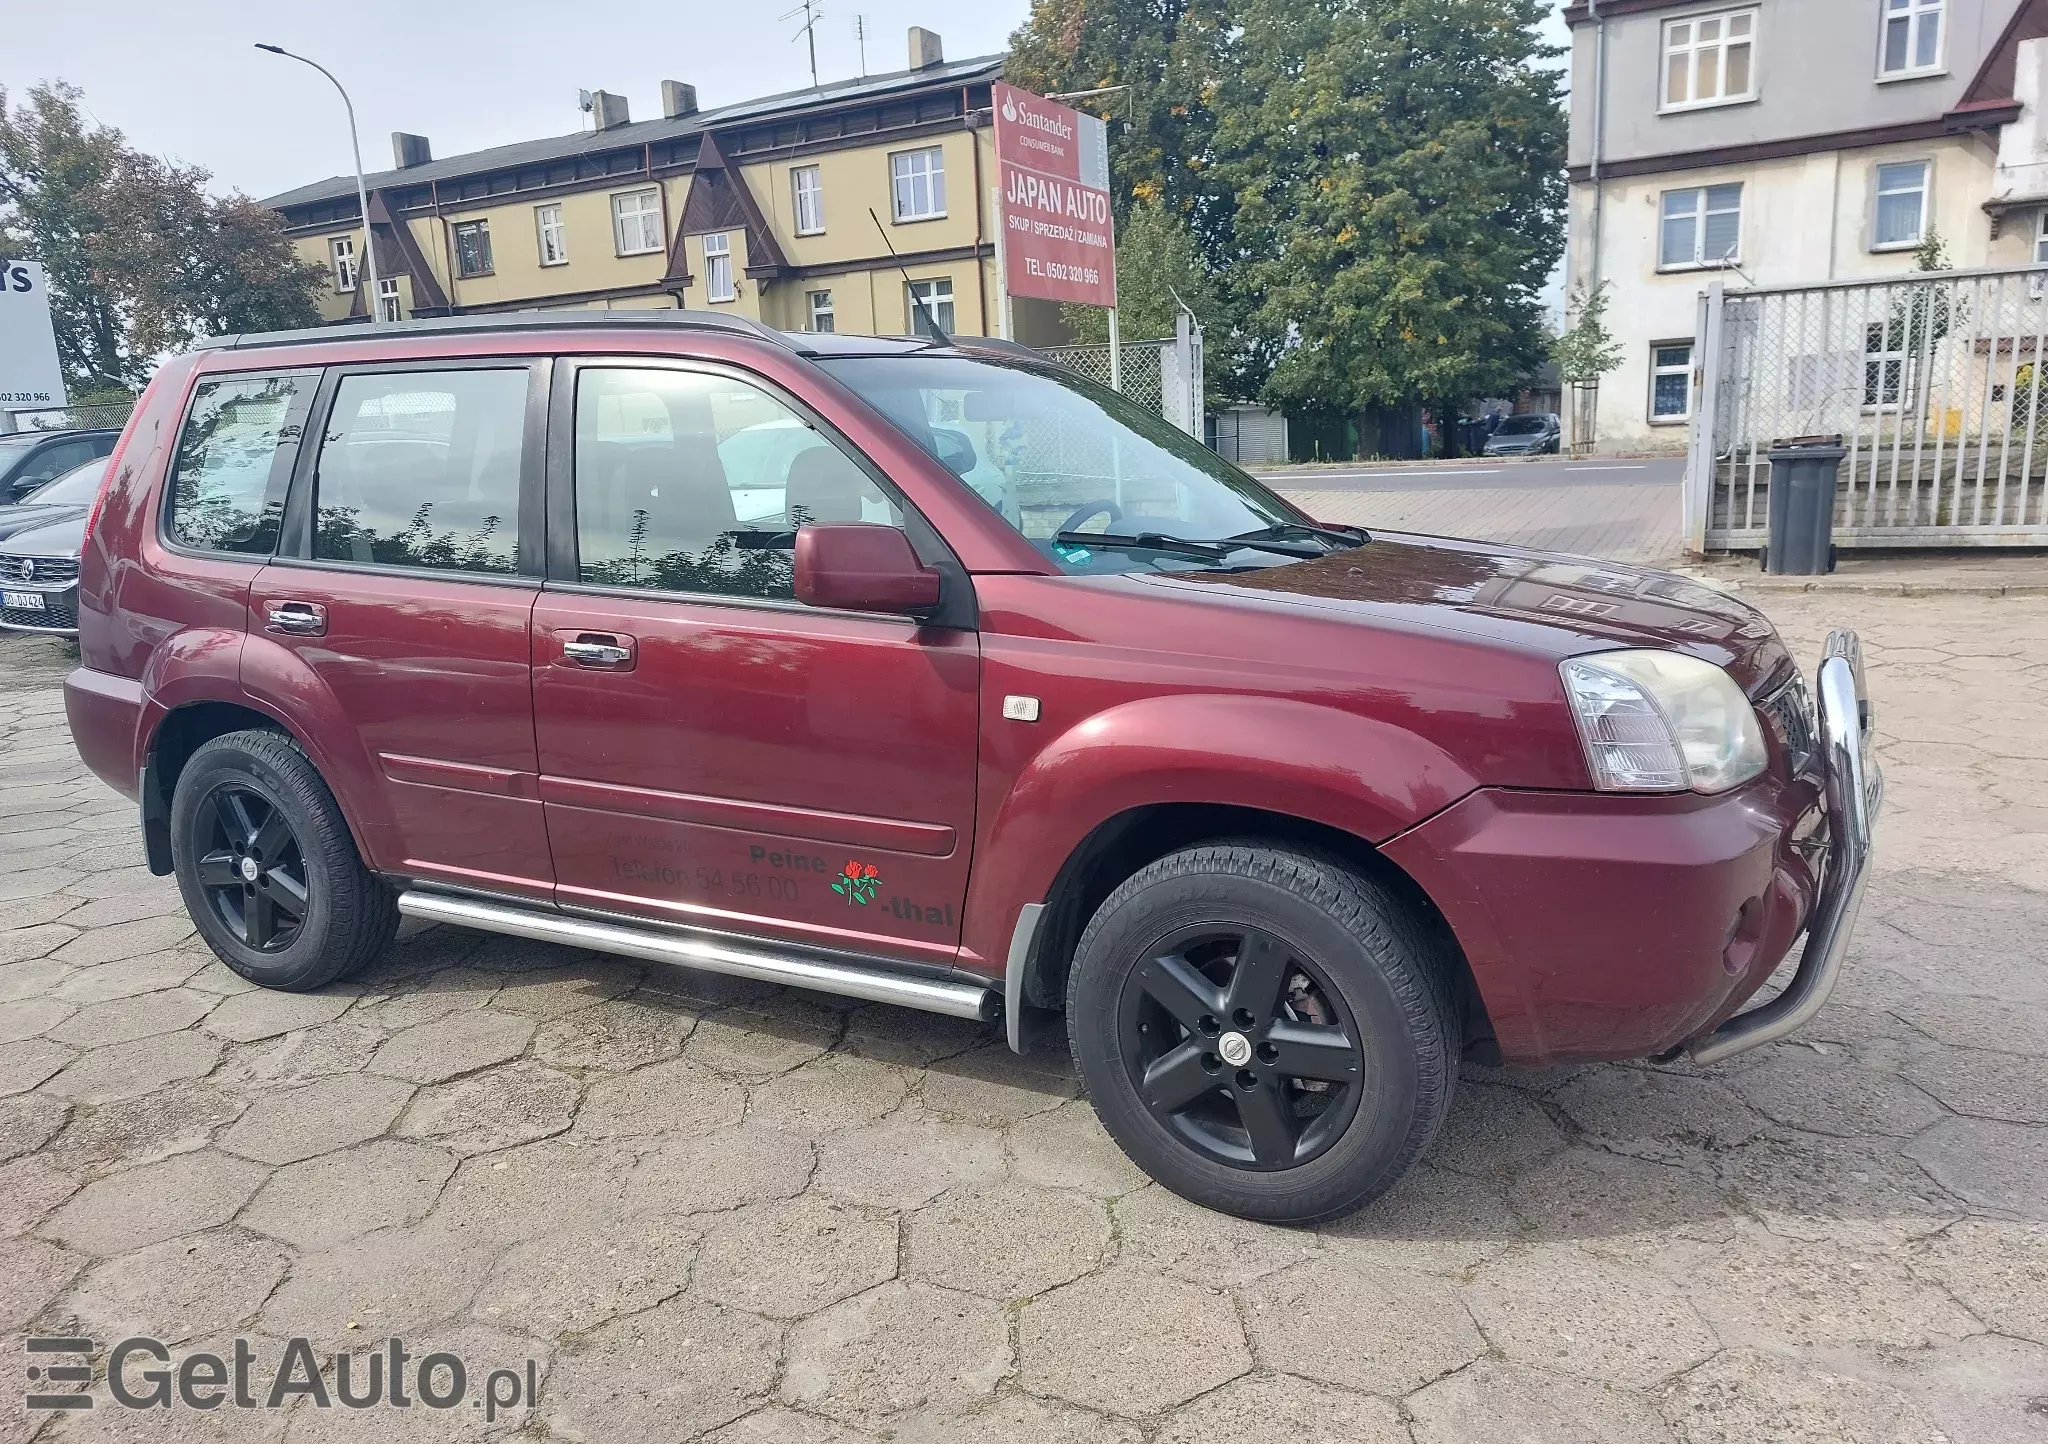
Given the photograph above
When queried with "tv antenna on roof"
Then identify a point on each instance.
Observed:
(860, 38)
(809, 30)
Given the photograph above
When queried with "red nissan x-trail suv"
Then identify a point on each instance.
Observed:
(930, 672)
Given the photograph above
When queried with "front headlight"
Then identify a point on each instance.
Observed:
(1662, 722)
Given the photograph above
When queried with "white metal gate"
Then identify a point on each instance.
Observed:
(1165, 376)
(1933, 382)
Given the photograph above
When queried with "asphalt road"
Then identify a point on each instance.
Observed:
(1477, 474)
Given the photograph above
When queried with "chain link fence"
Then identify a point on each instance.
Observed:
(109, 414)
(1933, 382)
(1145, 365)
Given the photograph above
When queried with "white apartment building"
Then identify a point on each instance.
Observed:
(1782, 142)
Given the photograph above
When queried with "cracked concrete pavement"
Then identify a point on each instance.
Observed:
(708, 1209)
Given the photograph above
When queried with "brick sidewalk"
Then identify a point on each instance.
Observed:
(712, 1210)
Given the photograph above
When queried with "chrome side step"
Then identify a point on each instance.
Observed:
(956, 1000)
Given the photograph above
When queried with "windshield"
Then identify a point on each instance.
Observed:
(1521, 426)
(76, 487)
(1059, 456)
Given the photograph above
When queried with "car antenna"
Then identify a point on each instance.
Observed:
(939, 336)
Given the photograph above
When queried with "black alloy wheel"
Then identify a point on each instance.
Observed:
(1239, 1046)
(251, 868)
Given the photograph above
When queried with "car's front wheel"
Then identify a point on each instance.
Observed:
(1264, 1031)
(268, 869)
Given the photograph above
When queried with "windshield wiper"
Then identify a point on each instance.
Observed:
(1354, 536)
(1150, 541)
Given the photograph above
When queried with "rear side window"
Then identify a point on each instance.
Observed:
(421, 469)
(234, 462)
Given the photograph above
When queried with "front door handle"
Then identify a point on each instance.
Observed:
(298, 619)
(604, 651)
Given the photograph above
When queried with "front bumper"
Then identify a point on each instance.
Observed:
(58, 616)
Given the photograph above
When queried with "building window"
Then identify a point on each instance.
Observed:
(718, 267)
(821, 311)
(810, 200)
(342, 250)
(387, 299)
(937, 296)
(1901, 219)
(2041, 239)
(1671, 381)
(554, 245)
(1702, 227)
(473, 248)
(1887, 366)
(918, 183)
(1709, 60)
(636, 222)
(1912, 37)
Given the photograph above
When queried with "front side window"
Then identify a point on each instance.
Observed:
(473, 248)
(342, 251)
(821, 317)
(421, 469)
(931, 303)
(233, 463)
(1912, 37)
(1701, 227)
(1901, 219)
(554, 243)
(1709, 60)
(918, 183)
(718, 284)
(810, 200)
(1671, 381)
(636, 222)
(387, 299)
(692, 482)
(1063, 460)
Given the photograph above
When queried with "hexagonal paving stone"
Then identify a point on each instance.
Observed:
(1993, 1165)
(1201, 1245)
(519, 1194)
(838, 1090)
(29, 1189)
(1129, 1340)
(457, 1044)
(791, 1258)
(673, 1372)
(752, 1044)
(156, 1201)
(1652, 1114)
(396, 1281)
(482, 1349)
(1009, 1241)
(125, 940)
(1833, 1093)
(129, 1070)
(1973, 1081)
(1588, 1196)
(1069, 1148)
(910, 1037)
(181, 1288)
(1998, 1024)
(720, 1170)
(1012, 1419)
(28, 1121)
(1308, 1320)
(339, 1196)
(342, 1046)
(1797, 1296)
(992, 1086)
(318, 1118)
(32, 1016)
(1296, 1410)
(126, 1019)
(616, 1036)
(152, 973)
(1850, 1190)
(1997, 1269)
(775, 1424)
(578, 1276)
(1491, 1129)
(517, 1103)
(558, 992)
(904, 1162)
(19, 945)
(1496, 1400)
(676, 1099)
(900, 1346)
(264, 1013)
(435, 996)
(1595, 1319)
(1743, 1396)
(1431, 1220)
(36, 1272)
(171, 1120)
(25, 1064)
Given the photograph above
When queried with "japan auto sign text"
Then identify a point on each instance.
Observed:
(29, 374)
(1052, 164)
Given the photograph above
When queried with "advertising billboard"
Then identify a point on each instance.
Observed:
(29, 375)
(1052, 167)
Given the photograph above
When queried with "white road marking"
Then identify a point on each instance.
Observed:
(1634, 466)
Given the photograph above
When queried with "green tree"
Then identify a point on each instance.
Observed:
(1586, 350)
(142, 259)
(1159, 269)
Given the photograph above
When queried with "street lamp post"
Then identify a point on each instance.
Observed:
(375, 307)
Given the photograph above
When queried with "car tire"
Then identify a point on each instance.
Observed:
(267, 868)
(1160, 988)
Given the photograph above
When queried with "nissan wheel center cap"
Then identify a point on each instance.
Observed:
(1235, 1048)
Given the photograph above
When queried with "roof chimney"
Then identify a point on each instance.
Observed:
(608, 111)
(409, 150)
(678, 99)
(925, 50)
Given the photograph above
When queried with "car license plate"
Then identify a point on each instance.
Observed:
(22, 601)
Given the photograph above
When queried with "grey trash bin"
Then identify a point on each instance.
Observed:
(1801, 541)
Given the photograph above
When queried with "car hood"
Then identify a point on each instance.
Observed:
(29, 516)
(1529, 599)
(62, 538)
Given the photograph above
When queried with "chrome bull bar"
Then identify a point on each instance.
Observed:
(1852, 791)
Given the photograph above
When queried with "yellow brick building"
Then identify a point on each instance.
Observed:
(762, 208)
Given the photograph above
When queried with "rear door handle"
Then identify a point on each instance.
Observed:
(298, 619)
(603, 651)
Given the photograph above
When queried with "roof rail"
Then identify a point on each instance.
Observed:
(510, 321)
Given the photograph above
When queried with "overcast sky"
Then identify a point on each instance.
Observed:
(183, 79)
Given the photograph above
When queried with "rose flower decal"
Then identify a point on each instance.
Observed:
(857, 883)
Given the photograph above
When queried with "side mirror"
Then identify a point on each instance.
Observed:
(862, 567)
(956, 451)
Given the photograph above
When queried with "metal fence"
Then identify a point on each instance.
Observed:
(1934, 383)
(107, 414)
(1165, 376)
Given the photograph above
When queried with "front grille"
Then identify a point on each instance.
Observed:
(58, 613)
(1789, 711)
(37, 569)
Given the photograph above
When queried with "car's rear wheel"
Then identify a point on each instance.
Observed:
(1264, 1031)
(268, 869)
